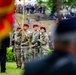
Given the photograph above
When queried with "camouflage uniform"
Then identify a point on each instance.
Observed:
(44, 46)
(13, 41)
(51, 46)
(34, 38)
(11, 37)
(18, 49)
(25, 46)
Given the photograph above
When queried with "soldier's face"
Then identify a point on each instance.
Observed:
(35, 28)
(42, 30)
(25, 27)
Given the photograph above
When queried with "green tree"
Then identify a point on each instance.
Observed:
(69, 2)
(52, 4)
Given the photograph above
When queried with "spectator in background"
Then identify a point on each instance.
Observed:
(32, 9)
(44, 9)
(40, 9)
(28, 19)
(27, 8)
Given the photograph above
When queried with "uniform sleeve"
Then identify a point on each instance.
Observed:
(26, 39)
(25, 43)
(44, 40)
(18, 38)
(18, 41)
(36, 44)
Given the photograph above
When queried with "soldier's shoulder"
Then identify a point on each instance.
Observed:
(15, 32)
(46, 34)
(29, 32)
(38, 33)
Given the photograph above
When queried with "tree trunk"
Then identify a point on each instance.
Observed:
(58, 7)
(53, 7)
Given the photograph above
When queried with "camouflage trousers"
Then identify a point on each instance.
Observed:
(18, 57)
(25, 53)
(43, 52)
(34, 52)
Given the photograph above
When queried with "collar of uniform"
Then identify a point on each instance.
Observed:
(42, 34)
(35, 32)
(26, 30)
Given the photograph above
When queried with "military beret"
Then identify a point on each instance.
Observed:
(35, 25)
(18, 28)
(42, 27)
(26, 25)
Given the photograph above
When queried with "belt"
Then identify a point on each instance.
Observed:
(24, 45)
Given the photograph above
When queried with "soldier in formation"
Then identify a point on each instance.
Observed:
(25, 44)
(44, 46)
(29, 45)
(34, 41)
(17, 49)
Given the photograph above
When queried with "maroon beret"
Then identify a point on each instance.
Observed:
(26, 25)
(43, 28)
(35, 25)
(18, 28)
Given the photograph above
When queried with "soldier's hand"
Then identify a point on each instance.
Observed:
(38, 40)
(32, 46)
(13, 39)
(21, 43)
(38, 46)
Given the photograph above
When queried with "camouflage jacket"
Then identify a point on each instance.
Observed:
(25, 38)
(44, 41)
(34, 38)
(18, 36)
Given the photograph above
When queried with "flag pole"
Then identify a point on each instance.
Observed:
(58, 6)
(23, 17)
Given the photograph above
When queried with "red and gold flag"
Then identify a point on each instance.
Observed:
(6, 20)
(6, 6)
(5, 25)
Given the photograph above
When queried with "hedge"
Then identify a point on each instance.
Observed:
(10, 56)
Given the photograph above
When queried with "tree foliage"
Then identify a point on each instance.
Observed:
(10, 56)
(69, 2)
(51, 4)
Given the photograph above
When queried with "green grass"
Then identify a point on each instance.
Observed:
(11, 69)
